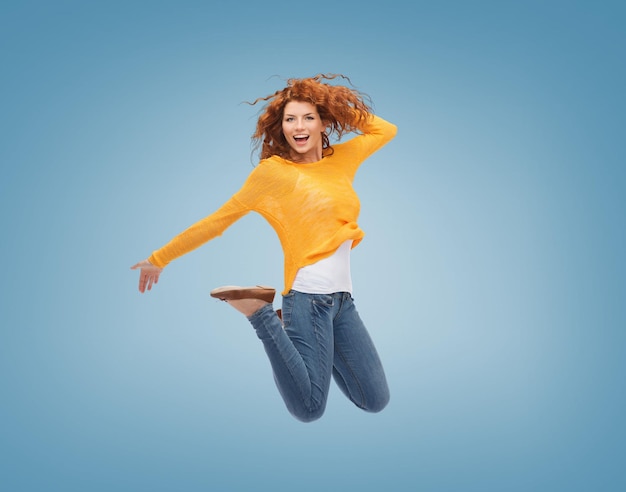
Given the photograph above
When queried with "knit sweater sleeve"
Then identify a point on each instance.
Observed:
(375, 132)
(378, 128)
(200, 233)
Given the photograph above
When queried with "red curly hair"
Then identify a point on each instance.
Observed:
(341, 109)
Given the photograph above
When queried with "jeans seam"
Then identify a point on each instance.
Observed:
(273, 334)
(292, 375)
(362, 403)
(315, 323)
(357, 383)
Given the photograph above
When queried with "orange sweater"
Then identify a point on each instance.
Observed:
(312, 207)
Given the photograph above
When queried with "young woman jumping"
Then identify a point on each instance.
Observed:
(303, 187)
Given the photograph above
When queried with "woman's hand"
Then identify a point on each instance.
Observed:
(149, 274)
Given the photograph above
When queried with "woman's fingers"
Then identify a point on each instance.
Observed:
(149, 278)
(142, 282)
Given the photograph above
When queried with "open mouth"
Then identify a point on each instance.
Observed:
(301, 138)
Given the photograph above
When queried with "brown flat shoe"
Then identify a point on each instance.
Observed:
(233, 292)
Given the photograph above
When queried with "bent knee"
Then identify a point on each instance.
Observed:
(307, 413)
(377, 404)
(308, 416)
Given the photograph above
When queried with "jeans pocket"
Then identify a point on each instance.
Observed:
(323, 300)
(287, 307)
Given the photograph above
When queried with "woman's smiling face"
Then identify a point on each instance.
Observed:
(303, 128)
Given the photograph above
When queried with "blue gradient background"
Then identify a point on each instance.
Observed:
(491, 277)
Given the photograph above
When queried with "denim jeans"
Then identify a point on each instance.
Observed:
(322, 335)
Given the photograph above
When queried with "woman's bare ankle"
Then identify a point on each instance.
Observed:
(247, 307)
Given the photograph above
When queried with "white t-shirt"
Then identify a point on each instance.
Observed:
(327, 276)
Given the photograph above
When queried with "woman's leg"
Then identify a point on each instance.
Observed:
(301, 352)
(357, 367)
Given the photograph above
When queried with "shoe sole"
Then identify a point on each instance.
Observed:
(233, 293)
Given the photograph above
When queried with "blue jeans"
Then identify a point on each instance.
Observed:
(322, 335)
